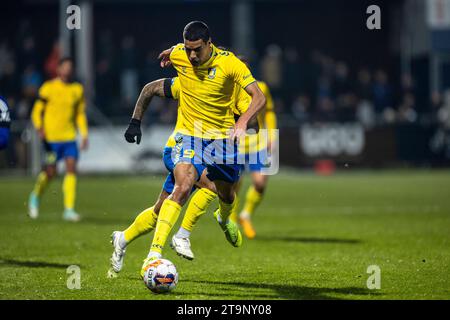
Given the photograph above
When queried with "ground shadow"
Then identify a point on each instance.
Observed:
(34, 264)
(287, 291)
(307, 239)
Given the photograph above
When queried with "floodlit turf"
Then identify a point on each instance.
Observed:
(316, 237)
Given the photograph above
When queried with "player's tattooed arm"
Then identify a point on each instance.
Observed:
(151, 89)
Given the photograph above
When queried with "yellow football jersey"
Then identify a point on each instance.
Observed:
(60, 111)
(206, 92)
(241, 101)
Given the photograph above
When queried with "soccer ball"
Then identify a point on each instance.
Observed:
(160, 276)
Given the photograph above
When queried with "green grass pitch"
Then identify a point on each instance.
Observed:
(316, 237)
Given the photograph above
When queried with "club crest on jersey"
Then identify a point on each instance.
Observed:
(211, 73)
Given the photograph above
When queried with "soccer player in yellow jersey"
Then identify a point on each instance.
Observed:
(256, 148)
(206, 193)
(57, 115)
(145, 222)
(208, 133)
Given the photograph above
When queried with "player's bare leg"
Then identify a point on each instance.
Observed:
(185, 178)
(69, 190)
(253, 199)
(44, 178)
(227, 198)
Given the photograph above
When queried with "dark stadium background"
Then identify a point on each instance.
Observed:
(312, 41)
(364, 119)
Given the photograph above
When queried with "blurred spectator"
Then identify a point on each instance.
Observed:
(342, 83)
(435, 101)
(407, 84)
(364, 85)
(6, 57)
(28, 54)
(325, 110)
(104, 84)
(128, 72)
(9, 78)
(406, 110)
(313, 69)
(106, 48)
(51, 63)
(291, 74)
(301, 108)
(443, 114)
(345, 96)
(365, 114)
(382, 94)
(389, 116)
(31, 80)
(271, 68)
(324, 87)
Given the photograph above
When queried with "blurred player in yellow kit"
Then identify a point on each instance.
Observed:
(57, 115)
(256, 147)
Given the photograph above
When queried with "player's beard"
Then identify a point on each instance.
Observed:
(195, 63)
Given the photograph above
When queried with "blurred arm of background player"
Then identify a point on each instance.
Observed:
(154, 88)
(82, 124)
(257, 103)
(36, 116)
(270, 119)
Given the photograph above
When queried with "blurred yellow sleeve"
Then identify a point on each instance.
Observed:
(38, 107)
(270, 118)
(36, 114)
(81, 118)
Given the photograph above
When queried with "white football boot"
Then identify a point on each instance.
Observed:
(117, 255)
(182, 247)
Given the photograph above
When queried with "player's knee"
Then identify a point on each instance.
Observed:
(260, 187)
(71, 169)
(157, 207)
(259, 183)
(50, 172)
(181, 193)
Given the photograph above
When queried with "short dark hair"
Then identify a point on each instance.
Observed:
(196, 30)
(65, 59)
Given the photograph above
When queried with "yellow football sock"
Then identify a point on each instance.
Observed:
(225, 209)
(69, 190)
(234, 211)
(41, 184)
(168, 215)
(144, 223)
(197, 207)
(252, 200)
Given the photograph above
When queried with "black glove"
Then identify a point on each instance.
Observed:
(133, 131)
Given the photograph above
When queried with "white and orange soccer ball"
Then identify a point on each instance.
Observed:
(160, 276)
